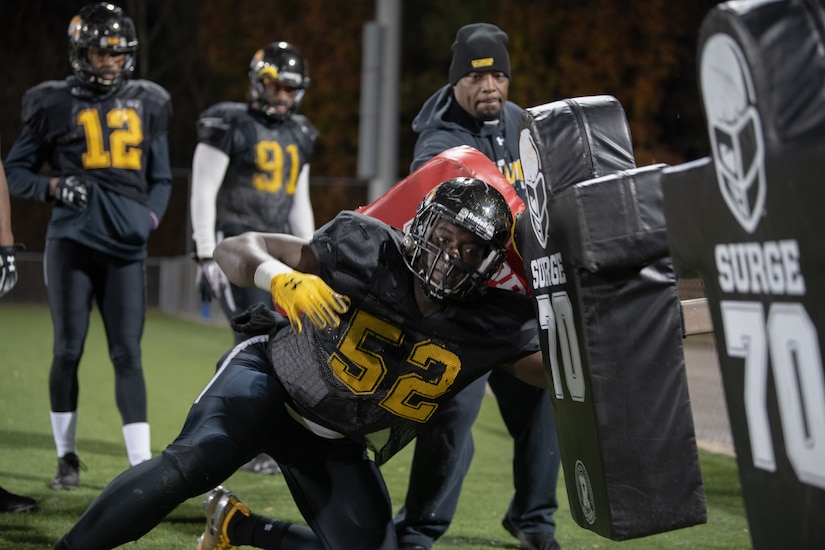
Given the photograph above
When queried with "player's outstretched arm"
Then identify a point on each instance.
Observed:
(240, 256)
(288, 268)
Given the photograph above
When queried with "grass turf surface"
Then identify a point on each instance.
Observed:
(179, 357)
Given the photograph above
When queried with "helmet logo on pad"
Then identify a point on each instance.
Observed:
(735, 128)
(537, 202)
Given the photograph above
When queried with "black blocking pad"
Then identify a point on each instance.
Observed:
(748, 219)
(613, 222)
(579, 139)
(594, 249)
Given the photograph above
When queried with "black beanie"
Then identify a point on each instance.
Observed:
(479, 47)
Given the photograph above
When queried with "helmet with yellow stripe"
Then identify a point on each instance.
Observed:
(280, 63)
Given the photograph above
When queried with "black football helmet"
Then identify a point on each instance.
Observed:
(107, 27)
(280, 61)
(474, 206)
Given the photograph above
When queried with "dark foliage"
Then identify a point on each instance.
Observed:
(641, 51)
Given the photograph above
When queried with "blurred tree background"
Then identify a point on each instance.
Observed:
(640, 51)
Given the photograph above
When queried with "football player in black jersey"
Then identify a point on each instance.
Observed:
(104, 137)
(392, 326)
(9, 502)
(250, 170)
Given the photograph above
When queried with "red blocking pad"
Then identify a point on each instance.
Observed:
(398, 205)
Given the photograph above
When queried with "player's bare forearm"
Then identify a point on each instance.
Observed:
(240, 256)
(6, 234)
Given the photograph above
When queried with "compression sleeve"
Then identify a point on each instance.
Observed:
(301, 217)
(209, 165)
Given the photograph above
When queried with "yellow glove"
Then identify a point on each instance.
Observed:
(297, 292)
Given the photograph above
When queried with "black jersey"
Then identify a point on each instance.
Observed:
(385, 370)
(116, 142)
(266, 158)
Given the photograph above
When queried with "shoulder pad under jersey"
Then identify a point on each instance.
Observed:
(306, 127)
(214, 122)
(305, 133)
(154, 96)
(42, 101)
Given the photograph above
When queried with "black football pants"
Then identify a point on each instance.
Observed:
(76, 275)
(444, 450)
(239, 414)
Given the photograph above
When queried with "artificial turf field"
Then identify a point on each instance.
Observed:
(179, 357)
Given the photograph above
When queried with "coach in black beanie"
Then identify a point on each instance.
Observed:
(472, 111)
(479, 47)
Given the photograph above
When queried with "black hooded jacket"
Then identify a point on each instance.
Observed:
(442, 124)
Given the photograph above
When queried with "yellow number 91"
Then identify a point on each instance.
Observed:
(270, 163)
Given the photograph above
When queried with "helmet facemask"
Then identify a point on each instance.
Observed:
(107, 28)
(450, 275)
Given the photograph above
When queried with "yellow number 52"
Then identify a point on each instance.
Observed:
(362, 369)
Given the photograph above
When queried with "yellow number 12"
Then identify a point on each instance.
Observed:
(126, 135)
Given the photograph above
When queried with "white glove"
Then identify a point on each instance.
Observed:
(210, 279)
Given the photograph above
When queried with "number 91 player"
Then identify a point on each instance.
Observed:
(393, 326)
(250, 170)
(104, 137)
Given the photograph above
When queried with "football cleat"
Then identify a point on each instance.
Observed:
(9, 502)
(219, 506)
(532, 541)
(68, 473)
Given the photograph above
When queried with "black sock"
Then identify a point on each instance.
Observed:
(256, 531)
